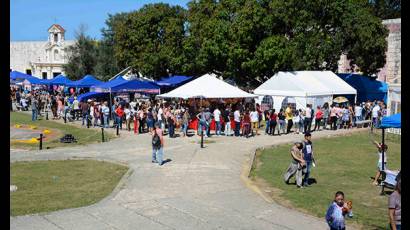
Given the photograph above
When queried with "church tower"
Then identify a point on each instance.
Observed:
(56, 34)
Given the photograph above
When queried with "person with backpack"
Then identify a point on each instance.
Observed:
(157, 145)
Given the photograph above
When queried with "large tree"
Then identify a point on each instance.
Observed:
(386, 9)
(250, 40)
(151, 39)
(81, 56)
(107, 65)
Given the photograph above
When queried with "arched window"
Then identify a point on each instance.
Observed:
(56, 57)
(289, 100)
(267, 103)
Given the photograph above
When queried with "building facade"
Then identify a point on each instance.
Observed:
(42, 59)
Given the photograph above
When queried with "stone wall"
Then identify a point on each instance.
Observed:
(22, 53)
(27, 54)
(391, 72)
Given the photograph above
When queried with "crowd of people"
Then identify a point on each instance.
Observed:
(230, 119)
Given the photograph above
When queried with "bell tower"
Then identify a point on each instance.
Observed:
(56, 34)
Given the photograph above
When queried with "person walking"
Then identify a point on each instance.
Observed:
(297, 165)
(246, 124)
(326, 115)
(289, 118)
(273, 122)
(217, 117)
(34, 108)
(282, 122)
(345, 117)
(128, 118)
(106, 114)
(308, 118)
(335, 214)
(201, 121)
(157, 145)
(307, 157)
(227, 120)
(254, 121)
(150, 120)
(237, 119)
(375, 115)
(185, 122)
(266, 114)
(318, 118)
(171, 120)
(119, 112)
(76, 109)
(395, 207)
(97, 114)
(333, 117)
(84, 111)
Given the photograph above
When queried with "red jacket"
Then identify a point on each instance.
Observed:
(120, 112)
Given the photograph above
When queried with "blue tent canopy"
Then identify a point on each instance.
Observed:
(89, 95)
(137, 86)
(393, 121)
(35, 81)
(367, 88)
(173, 81)
(106, 86)
(85, 82)
(14, 75)
(59, 80)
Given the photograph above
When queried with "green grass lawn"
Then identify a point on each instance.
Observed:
(343, 163)
(83, 135)
(45, 186)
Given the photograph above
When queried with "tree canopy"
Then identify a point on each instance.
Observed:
(81, 56)
(245, 40)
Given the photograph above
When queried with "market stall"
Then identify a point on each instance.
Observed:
(207, 89)
(303, 87)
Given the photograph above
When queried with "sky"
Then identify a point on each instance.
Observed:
(30, 19)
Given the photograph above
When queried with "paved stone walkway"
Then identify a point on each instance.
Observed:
(198, 189)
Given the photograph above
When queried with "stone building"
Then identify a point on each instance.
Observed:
(43, 59)
(391, 72)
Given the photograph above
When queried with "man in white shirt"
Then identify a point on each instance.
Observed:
(358, 113)
(106, 114)
(237, 119)
(217, 117)
(254, 121)
(375, 115)
(308, 118)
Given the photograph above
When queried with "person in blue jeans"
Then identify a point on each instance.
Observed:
(157, 148)
(202, 124)
(267, 121)
(307, 157)
(34, 109)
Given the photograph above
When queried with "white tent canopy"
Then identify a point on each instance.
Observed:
(207, 86)
(303, 87)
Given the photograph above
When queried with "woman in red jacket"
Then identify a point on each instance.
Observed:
(119, 112)
(318, 118)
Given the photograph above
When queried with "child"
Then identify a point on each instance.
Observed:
(379, 163)
(335, 215)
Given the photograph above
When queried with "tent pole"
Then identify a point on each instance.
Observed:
(383, 149)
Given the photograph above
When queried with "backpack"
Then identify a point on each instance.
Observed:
(156, 141)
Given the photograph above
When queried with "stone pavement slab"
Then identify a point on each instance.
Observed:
(198, 189)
